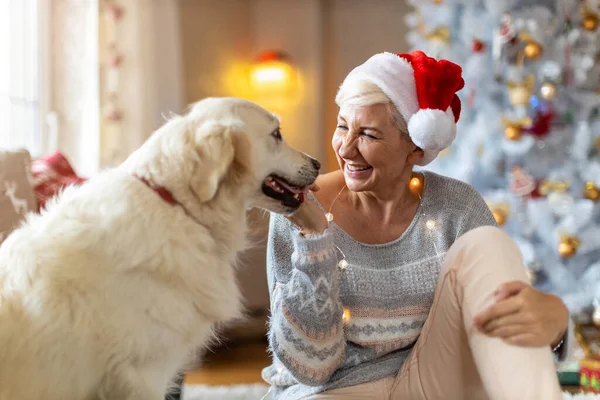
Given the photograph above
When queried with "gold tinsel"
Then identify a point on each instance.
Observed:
(547, 186)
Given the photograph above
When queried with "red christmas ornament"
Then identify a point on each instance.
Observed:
(478, 46)
(542, 122)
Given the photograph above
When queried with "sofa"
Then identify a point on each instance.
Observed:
(26, 185)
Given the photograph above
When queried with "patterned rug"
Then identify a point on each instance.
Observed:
(259, 391)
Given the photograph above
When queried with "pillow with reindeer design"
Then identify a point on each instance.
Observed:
(16, 190)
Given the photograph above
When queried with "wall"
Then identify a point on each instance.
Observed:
(325, 39)
(356, 30)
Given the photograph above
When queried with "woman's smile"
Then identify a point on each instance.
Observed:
(357, 171)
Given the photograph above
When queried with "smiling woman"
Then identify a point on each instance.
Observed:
(410, 306)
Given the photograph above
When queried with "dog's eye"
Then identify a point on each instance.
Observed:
(276, 134)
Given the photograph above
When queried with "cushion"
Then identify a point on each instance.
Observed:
(50, 175)
(16, 191)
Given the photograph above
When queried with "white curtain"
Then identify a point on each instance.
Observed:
(150, 78)
(21, 92)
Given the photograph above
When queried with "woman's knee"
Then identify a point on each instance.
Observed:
(481, 245)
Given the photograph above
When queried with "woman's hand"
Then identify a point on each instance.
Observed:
(524, 316)
(309, 218)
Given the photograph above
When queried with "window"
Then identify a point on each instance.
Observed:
(24, 76)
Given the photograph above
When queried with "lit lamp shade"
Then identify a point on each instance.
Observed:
(272, 74)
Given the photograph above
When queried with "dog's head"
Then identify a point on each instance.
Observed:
(233, 147)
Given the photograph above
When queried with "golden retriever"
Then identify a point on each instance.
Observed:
(107, 293)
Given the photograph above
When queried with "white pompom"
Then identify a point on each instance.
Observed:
(432, 130)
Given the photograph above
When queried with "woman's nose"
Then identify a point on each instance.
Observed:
(348, 147)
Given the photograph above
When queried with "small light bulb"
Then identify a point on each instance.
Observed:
(415, 183)
(346, 315)
(430, 224)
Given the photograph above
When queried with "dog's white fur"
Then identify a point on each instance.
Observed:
(108, 292)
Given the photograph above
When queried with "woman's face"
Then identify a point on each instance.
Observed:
(371, 150)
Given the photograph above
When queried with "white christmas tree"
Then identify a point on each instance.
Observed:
(529, 134)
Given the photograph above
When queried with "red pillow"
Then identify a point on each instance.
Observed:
(51, 174)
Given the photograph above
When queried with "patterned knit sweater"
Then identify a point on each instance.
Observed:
(333, 327)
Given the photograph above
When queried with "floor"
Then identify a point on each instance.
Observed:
(232, 364)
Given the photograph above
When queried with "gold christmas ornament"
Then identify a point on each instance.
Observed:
(438, 1)
(591, 192)
(568, 246)
(512, 132)
(519, 93)
(590, 22)
(548, 91)
(514, 127)
(533, 50)
(590, 19)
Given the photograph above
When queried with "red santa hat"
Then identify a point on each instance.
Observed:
(423, 90)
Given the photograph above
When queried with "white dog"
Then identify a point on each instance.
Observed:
(107, 294)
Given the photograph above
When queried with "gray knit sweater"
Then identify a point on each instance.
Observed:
(387, 291)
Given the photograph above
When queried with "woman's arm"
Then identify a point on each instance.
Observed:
(306, 328)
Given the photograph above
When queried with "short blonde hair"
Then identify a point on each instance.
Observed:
(363, 93)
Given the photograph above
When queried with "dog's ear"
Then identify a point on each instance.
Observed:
(215, 150)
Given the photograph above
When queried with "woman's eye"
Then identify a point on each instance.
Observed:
(276, 134)
(342, 127)
(369, 136)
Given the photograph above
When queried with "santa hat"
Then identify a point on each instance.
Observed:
(423, 90)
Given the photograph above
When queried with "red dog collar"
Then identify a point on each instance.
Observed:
(162, 191)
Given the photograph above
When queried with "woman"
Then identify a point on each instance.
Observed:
(392, 284)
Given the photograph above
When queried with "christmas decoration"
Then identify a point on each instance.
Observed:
(591, 192)
(529, 136)
(548, 90)
(568, 246)
(589, 375)
(588, 337)
(113, 61)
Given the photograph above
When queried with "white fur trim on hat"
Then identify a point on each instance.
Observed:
(432, 131)
(394, 76)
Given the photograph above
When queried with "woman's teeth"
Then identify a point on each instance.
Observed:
(358, 167)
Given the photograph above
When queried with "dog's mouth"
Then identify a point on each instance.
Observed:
(280, 189)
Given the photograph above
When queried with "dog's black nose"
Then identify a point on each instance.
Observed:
(315, 163)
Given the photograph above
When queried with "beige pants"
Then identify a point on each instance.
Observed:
(451, 360)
